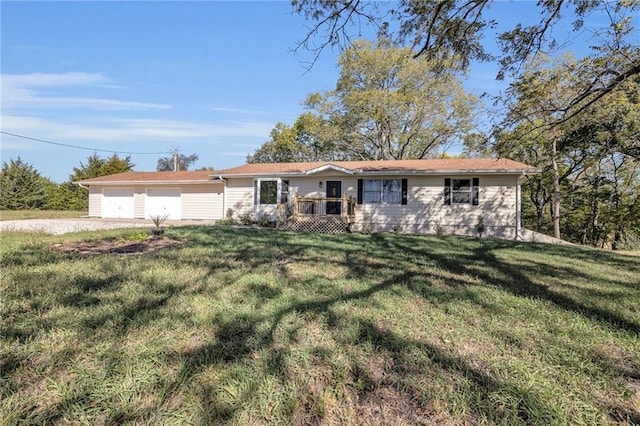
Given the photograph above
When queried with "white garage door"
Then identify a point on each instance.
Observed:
(163, 202)
(117, 203)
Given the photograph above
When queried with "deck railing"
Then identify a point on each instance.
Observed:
(309, 207)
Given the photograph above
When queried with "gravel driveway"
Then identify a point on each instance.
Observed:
(64, 226)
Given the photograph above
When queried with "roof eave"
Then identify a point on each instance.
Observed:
(145, 182)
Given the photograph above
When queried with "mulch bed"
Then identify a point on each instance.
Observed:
(115, 246)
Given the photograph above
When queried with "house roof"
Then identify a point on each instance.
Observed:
(439, 166)
(433, 166)
(152, 177)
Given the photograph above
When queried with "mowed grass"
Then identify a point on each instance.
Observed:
(40, 214)
(262, 327)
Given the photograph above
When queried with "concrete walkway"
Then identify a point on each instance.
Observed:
(64, 226)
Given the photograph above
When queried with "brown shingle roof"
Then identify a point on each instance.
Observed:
(412, 166)
(448, 165)
(195, 176)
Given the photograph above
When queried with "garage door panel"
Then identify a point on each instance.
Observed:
(161, 202)
(117, 203)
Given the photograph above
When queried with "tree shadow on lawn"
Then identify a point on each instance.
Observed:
(238, 339)
(516, 279)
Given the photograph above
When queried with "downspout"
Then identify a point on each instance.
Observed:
(519, 207)
(224, 197)
(87, 188)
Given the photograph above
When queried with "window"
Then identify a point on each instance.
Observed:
(270, 191)
(462, 191)
(387, 191)
(372, 191)
(391, 191)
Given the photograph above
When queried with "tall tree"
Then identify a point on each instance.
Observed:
(177, 162)
(305, 140)
(450, 34)
(21, 186)
(388, 106)
(572, 153)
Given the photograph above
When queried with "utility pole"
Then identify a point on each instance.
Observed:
(175, 159)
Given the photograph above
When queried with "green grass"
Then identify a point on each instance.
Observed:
(262, 327)
(40, 214)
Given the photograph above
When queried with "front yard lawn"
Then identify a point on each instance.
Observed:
(249, 326)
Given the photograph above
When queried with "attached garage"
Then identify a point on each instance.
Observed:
(117, 203)
(163, 202)
(188, 195)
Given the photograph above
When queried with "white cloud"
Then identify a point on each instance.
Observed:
(53, 80)
(25, 91)
(118, 130)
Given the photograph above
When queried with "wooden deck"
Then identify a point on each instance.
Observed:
(321, 215)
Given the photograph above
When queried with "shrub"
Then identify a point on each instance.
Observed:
(480, 226)
(228, 220)
(246, 219)
(264, 220)
(158, 220)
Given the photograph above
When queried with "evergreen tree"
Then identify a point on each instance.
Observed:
(21, 186)
(76, 197)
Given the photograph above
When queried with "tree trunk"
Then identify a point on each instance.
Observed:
(595, 211)
(556, 190)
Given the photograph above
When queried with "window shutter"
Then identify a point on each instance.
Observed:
(447, 191)
(255, 192)
(475, 192)
(360, 189)
(404, 192)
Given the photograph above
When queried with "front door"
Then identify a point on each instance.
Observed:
(334, 190)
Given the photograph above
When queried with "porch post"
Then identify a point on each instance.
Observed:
(345, 205)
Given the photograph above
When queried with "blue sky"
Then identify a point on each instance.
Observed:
(210, 78)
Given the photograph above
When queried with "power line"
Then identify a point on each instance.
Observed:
(81, 147)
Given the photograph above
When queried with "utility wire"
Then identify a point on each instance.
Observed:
(81, 147)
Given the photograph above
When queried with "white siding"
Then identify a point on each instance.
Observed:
(426, 212)
(239, 196)
(310, 186)
(95, 201)
(202, 201)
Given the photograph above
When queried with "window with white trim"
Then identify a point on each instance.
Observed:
(270, 191)
(382, 191)
(462, 191)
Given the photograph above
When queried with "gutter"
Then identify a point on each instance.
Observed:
(396, 173)
(148, 182)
